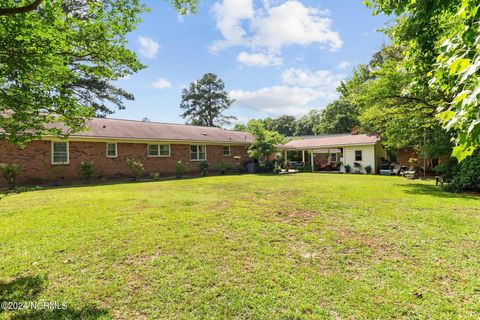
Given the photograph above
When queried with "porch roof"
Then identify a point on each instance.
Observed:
(327, 141)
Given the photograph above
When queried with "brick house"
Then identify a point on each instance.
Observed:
(110, 142)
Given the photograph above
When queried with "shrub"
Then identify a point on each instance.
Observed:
(181, 169)
(55, 172)
(465, 176)
(203, 166)
(348, 168)
(305, 168)
(223, 167)
(10, 172)
(265, 167)
(156, 175)
(136, 168)
(368, 169)
(87, 170)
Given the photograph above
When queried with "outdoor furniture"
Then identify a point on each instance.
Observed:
(411, 173)
(397, 169)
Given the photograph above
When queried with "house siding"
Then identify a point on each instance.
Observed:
(368, 157)
(35, 159)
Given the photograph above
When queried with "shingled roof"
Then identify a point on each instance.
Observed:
(339, 140)
(105, 128)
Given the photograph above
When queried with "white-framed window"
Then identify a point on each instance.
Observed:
(158, 150)
(333, 157)
(226, 151)
(111, 150)
(60, 152)
(198, 152)
(358, 155)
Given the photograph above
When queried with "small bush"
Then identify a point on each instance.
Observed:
(223, 167)
(156, 176)
(10, 172)
(348, 168)
(265, 167)
(203, 167)
(181, 169)
(136, 168)
(87, 170)
(305, 168)
(368, 169)
(465, 176)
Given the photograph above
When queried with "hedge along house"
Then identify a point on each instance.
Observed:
(108, 143)
(334, 152)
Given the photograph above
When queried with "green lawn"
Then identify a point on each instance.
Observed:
(302, 246)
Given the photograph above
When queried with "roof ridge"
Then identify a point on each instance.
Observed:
(165, 123)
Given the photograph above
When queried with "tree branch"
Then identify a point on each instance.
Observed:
(11, 11)
(412, 99)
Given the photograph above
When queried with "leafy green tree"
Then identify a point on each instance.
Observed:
(266, 142)
(239, 127)
(340, 116)
(58, 64)
(285, 125)
(442, 47)
(205, 101)
(304, 126)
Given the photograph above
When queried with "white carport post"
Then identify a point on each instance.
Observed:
(303, 157)
(286, 160)
(311, 160)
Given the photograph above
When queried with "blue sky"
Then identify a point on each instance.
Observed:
(275, 56)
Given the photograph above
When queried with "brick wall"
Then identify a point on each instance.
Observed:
(35, 159)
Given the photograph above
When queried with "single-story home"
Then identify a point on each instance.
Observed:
(334, 152)
(110, 142)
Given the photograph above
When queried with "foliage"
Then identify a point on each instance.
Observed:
(223, 167)
(368, 169)
(87, 170)
(441, 42)
(285, 125)
(55, 172)
(10, 172)
(265, 143)
(348, 168)
(136, 168)
(306, 124)
(205, 101)
(340, 116)
(464, 176)
(156, 176)
(307, 167)
(239, 127)
(59, 64)
(403, 119)
(203, 167)
(181, 168)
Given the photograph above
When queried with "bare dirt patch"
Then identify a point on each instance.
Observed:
(295, 216)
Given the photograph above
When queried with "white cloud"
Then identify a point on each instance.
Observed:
(148, 47)
(273, 26)
(301, 90)
(321, 79)
(344, 65)
(229, 15)
(259, 59)
(162, 83)
(293, 23)
(278, 100)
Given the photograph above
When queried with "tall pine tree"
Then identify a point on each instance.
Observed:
(205, 101)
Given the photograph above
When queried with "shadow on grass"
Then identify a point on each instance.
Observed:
(26, 289)
(432, 190)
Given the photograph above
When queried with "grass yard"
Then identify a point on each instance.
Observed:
(302, 246)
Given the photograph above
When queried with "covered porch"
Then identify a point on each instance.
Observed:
(318, 160)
